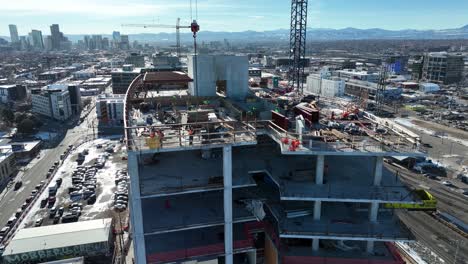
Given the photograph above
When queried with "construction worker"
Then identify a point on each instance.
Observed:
(190, 132)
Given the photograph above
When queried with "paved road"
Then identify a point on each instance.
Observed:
(12, 200)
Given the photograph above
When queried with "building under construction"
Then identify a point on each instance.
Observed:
(222, 175)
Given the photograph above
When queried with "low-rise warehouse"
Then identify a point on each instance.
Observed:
(48, 243)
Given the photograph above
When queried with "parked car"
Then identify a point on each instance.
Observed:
(44, 202)
(4, 230)
(19, 212)
(69, 218)
(38, 222)
(91, 199)
(52, 212)
(12, 221)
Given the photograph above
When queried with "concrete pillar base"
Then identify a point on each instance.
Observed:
(317, 210)
(319, 169)
(373, 211)
(370, 247)
(315, 244)
(378, 171)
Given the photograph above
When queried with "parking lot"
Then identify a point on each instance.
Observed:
(83, 187)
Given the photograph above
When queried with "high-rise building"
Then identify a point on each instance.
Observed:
(59, 41)
(48, 43)
(24, 43)
(208, 185)
(56, 36)
(105, 43)
(14, 34)
(124, 42)
(116, 36)
(443, 67)
(37, 41)
(97, 39)
(87, 41)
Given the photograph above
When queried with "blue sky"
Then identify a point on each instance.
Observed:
(104, 16)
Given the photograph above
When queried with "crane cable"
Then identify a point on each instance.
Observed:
(191, 18)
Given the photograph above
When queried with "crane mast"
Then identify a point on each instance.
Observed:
(297, 44)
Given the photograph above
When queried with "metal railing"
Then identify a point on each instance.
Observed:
(231, 132)
(177, 135)
(319, 143)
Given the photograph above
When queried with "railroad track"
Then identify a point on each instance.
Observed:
(441, 239)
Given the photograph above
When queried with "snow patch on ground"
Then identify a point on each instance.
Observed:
(105, 184)
(420, 253)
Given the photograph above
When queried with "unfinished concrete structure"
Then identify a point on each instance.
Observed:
(210, 182)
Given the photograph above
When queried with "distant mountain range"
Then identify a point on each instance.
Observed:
(313, 34)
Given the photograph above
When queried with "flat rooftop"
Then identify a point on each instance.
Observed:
(59, 236)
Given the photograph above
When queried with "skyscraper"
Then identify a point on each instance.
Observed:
(37, 40)
(57, 36)
(97, 41)
(116, 36)
(14, 34)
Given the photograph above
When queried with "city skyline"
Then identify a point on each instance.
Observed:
(260, 15)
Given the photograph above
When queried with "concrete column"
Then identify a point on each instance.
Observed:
(319, 169)
(370, 247)
(317, 210)
(315, 244)
(373, 212)
(318, 204)
(227, 175)
(136, 213)
(378, 170)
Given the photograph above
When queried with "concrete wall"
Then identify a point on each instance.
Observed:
(205, 75)
(232, 69)
(325, 87)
